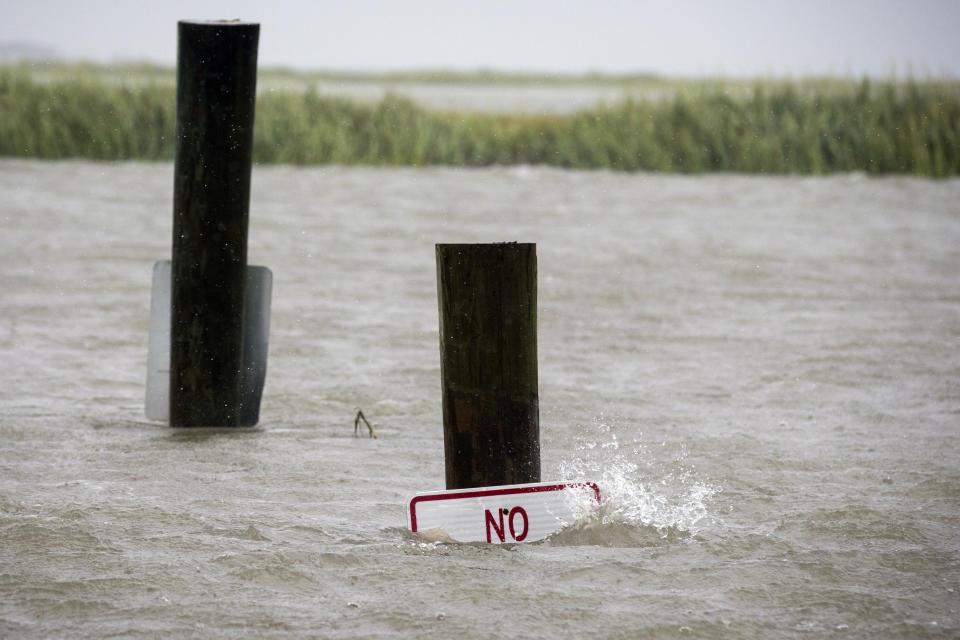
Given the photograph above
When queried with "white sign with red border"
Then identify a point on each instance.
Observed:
(504, 514)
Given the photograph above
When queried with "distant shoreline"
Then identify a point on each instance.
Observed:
(133, 71)
(627, 123)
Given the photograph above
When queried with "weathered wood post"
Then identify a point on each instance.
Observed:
(216, 92)
(488, 363)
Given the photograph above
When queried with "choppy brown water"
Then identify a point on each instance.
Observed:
(761, 373)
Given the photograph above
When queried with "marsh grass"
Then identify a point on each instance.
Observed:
(767, 126)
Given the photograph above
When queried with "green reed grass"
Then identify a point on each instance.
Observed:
(803, 127)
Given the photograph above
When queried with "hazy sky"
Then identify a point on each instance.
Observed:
(734, 37)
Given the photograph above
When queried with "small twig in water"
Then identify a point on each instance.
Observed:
(356, 425)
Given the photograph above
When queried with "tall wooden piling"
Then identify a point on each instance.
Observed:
(216, 92)
(488, 362)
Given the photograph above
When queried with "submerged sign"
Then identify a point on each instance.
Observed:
(256, 332)
(510, 513)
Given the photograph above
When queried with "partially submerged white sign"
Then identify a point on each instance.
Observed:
(256, 332)
(506, 514)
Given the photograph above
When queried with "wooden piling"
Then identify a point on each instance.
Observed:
(216, 92)
(488, 362)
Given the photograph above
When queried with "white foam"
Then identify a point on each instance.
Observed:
(637, 487)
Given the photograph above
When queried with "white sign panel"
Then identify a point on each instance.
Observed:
(505, 514)
(256, 332)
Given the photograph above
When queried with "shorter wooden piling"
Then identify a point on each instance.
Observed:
(488, 362)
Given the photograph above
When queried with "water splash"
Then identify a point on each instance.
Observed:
(643, 485)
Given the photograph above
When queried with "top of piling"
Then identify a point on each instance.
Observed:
(485, 244)
(221, 23)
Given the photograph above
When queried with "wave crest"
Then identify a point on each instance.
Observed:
(643, 495)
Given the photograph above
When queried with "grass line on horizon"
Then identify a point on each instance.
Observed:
(769, 126)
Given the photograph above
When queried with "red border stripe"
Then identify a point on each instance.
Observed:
(480, 493)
